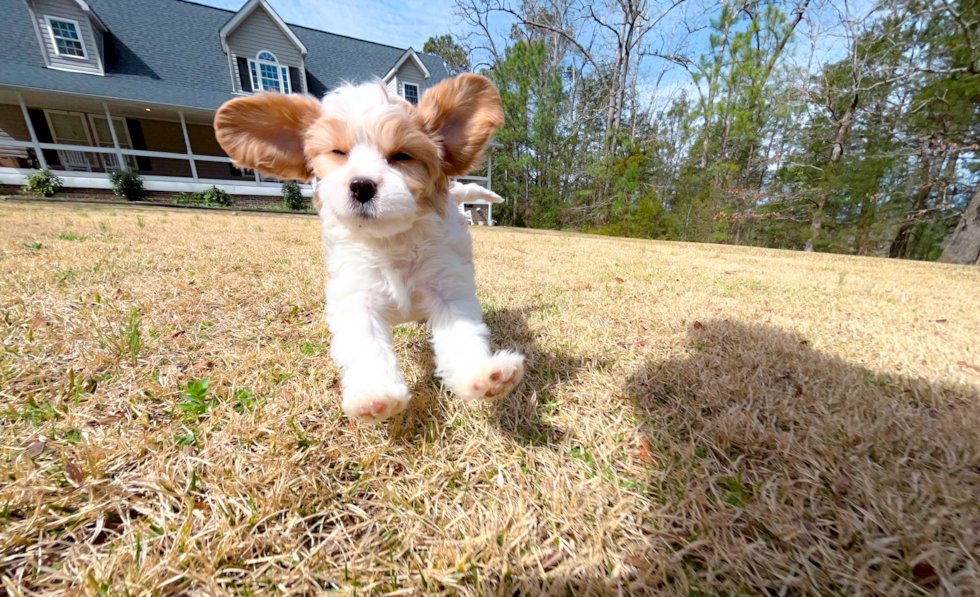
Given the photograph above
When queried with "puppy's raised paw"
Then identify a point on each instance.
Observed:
(373, 405)
(495, 378)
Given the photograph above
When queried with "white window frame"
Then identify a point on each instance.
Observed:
(54, 40)
(122, 131)
(417, 92)
(79, 115)
(255, 71)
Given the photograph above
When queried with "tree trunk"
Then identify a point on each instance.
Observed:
(843, 128)
(964, 245)
(900, 246)
(712, 81)
(614, 87)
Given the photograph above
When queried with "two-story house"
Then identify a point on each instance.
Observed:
(92, 86)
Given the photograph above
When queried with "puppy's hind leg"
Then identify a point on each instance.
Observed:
(373, 386)
(463, 359)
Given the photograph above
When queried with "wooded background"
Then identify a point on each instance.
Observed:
(827, 125)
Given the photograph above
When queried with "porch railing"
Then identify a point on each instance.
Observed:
(75, 158)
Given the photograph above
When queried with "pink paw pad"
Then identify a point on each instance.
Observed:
(495, 386)
(378, 407)
(374, 407)
(497, 377)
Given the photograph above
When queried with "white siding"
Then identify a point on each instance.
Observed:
(393, 85)
(99, 43)
(258, 32)
(68, 9)
(409, 73)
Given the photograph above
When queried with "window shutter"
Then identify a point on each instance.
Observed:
(244, 75)
(295, 84)
(43, 135)
(139, 142)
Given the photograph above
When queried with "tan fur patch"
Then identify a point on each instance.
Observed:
(462, 113)
(327, 134)
(390, 135)
(399, 134)
(266, 131)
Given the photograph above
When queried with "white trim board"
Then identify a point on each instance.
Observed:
(409, 53)
(209, 112)
(91, 14)
(248, 9)
(136, 152)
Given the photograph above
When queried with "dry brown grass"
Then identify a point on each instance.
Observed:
(695, 419)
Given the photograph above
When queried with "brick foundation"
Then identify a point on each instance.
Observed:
(479, 213)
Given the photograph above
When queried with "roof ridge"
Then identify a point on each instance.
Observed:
(367, 41)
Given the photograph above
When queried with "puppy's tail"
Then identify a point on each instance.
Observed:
(465, 193)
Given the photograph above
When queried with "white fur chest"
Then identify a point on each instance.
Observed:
(395, 274)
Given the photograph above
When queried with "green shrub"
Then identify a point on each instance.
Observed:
(215, 197)
(127, 184)
(188, 199)
(43, 183)
(292, 196)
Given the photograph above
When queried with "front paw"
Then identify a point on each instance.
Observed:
(494, 378)
(375, 404)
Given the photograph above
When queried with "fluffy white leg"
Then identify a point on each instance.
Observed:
(463, 360)
(373, 386)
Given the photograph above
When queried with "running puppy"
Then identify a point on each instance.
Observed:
(397, 249)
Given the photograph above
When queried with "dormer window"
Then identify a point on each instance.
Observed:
(67, 41)
(412, 93)
(267, 74)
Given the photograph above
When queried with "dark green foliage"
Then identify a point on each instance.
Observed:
(210, 197)
(189, 199)
(131, 338)
(451, 52)
(195, 400)
(534, 161)
(871, 152)
(245, 401)
(127, 184)
(43, 183)
(293, 197)
(215, 197)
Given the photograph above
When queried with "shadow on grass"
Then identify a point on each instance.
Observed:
(545, 371)
(776, 469)
(771, 468)
(768, 467)
(520, 414)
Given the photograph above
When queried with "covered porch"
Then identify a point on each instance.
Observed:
(82, 139)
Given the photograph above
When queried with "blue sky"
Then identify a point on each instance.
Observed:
(400, 23)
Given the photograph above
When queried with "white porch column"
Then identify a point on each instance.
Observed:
(490, 185)
(187, 144)
(30, 128)
(115, 139)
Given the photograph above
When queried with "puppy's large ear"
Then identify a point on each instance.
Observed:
(464, 111)
(266, 131)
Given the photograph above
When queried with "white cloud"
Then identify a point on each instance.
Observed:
(392, 22)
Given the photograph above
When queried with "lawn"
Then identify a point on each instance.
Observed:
(695, 419)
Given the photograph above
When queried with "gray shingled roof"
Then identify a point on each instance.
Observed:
(168, 52)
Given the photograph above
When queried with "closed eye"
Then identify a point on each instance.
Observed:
(339, 152)
(400, 157)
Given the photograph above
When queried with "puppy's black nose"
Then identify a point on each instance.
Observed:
(363, 189)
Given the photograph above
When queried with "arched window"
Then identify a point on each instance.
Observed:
(268, 74)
